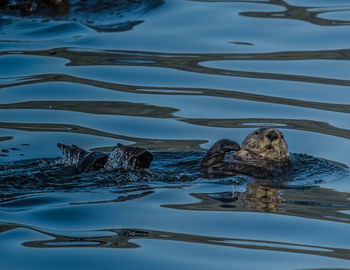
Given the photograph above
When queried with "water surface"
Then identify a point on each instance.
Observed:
(175, 77)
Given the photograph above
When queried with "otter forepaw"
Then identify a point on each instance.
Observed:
(216, 153)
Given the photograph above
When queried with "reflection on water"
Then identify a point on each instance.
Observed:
(193, 62)
(124, 238)
(304, 201)
(174, 76)
(97, 107)
(309, 14)
(184, 63)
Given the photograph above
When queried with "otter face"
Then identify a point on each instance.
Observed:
(267, 143)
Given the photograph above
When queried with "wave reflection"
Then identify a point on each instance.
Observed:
(124, 238)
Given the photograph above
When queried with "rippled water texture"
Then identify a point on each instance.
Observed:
(175, 76)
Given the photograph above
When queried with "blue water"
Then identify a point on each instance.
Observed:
(187, 74)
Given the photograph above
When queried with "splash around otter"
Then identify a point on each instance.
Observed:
(263, 153)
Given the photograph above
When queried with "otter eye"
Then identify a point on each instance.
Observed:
(282, 136)
(256, 133)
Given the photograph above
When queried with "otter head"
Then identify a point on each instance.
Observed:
(267, 143)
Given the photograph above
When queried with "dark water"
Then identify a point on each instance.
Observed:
(175, 76)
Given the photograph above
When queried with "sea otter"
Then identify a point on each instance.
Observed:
(262, 154)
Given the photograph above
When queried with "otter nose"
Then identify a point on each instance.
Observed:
(272, 135)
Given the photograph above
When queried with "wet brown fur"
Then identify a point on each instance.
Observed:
(266, 144)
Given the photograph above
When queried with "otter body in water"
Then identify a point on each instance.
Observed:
(262, 154)
(122, 157)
